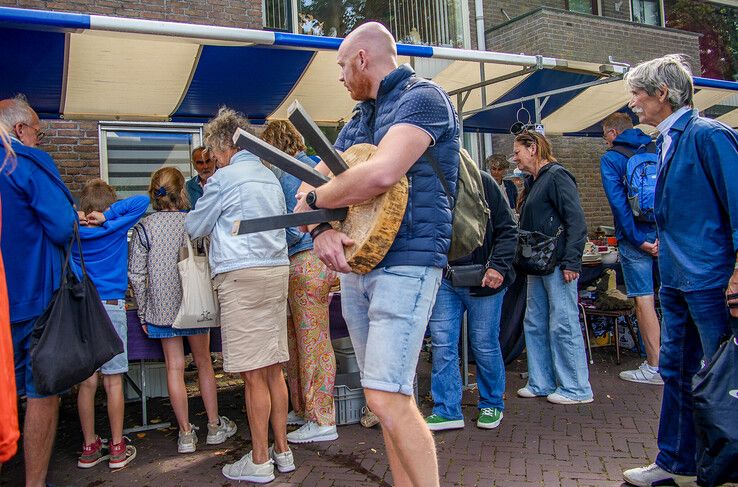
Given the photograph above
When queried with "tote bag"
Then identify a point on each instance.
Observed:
(199, 308)
(74, 336)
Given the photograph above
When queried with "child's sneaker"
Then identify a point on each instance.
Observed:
(285, 461)
(218, 433)
(187, 441)
(121, 454)
(246, 469)
(93, 454)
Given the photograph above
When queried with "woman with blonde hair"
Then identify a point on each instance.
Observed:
(250, 274)
(311, 371)
(156, 284)
(550, 208)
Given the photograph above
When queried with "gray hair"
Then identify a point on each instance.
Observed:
(671, 72)
(14, 111)
(219, 130)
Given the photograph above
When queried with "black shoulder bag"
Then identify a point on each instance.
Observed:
(74, 336)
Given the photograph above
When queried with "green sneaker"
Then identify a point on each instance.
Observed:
(439, 423)
(489, 418)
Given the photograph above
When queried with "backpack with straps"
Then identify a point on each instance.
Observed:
(641, 172)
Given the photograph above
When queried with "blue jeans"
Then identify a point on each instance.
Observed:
(553, 339)
(693, 327)
(483, 323)
(386, 312)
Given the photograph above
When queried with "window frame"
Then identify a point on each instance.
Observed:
(596, 7)
(662, 15)
(196, 129)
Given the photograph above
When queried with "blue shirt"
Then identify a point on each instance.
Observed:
(696, 205)
(105, 247)
(297, 241)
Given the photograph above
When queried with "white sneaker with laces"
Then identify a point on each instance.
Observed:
(653, 474)
(187, 441)
(218, 433)
(557, 398)
(285, 461)
(293, 419)
(525, 392)
(312, 431)
(246, 469)
(645, 374)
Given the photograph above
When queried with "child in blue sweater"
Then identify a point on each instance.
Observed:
(104, 224)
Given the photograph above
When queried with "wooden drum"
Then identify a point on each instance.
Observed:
(373, 224)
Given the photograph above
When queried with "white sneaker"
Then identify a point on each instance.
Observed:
(525, 392)
(218, 433)
(246, 469)
(645, 374)
(187, 442)
(653, 474)
(557, 398)
(294, 419)
(285, 461)
(312, 431)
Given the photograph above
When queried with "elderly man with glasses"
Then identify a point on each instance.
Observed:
(38, 212)
(696, 207)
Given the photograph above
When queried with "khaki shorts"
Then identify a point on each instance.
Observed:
(253, 317)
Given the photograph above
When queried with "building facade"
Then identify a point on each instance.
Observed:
(630, 31)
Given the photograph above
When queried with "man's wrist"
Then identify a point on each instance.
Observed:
(311, 199)
(323, 227)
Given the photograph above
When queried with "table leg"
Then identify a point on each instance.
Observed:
(633, 334)
(586, 334)
(616, 332)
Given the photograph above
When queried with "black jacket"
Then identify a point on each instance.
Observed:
(552, 200)
(500, 239)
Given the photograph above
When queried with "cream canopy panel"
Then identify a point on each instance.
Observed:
(320, 92)
(141, 77)
(587, 108)
(707, 97)
(730, 118)
(460, 74)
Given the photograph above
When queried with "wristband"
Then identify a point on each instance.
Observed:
(323, 227)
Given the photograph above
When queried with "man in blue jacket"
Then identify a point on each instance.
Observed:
(387, 309)
(637, 242)
(39, 220)
(696, 207)
(205, 167)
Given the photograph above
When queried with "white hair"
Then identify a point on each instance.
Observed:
(671, 72)
(15, 112)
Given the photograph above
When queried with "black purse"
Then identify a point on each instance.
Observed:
(536, 252)
(466, 275)
(74, 336)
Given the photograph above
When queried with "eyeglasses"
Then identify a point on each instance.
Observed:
(519, 127)
(40, 134)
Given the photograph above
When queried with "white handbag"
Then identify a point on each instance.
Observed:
(199, 308)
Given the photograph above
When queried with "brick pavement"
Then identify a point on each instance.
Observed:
(537, 444)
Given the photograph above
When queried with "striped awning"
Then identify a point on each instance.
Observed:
(79, 66)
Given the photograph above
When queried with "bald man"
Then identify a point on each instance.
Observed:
(387, 309)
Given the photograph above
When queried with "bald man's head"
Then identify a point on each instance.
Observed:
(366, 56)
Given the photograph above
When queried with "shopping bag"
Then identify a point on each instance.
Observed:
(715, 392)
(74, 336)
(199, 308)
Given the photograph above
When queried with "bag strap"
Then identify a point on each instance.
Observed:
(65, 268)
(625, 151)
(442, 178)
(145, 239)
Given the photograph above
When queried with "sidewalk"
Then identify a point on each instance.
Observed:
(537, 444)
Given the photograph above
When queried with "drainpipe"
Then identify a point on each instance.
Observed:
(482, 46)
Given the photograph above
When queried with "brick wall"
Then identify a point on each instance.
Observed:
(74, 144)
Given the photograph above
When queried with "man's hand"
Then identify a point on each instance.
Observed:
(96, 218)
(570, 276)
(733, 289)
(492, 279)
(651, 248)
(82, 218)
(328, 246)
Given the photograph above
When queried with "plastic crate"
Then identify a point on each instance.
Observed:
(342, 344)
(348, 397)
(346, 362)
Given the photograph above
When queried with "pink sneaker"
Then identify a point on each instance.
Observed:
(121, 454)
(94, 453)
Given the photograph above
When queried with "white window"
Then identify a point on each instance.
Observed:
(130, 152)
(650, 12)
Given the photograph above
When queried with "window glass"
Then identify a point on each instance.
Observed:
(277, 15)
(646, 11)
(584, 6)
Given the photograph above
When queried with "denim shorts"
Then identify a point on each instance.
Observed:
(21, 331)
(117, 314)
(156, 331)
(637, 268)
(386, 312)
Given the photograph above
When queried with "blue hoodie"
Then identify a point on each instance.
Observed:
(612, 170)
(106, 247)
(38, 223)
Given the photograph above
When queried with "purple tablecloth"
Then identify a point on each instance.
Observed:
(141, 347)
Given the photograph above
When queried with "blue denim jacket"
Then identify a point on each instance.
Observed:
(297, 241)
(243, 190)
(697, 205)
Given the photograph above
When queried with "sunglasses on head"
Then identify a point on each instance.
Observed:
(519, 127)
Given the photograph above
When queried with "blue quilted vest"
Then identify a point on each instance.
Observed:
(425, 233)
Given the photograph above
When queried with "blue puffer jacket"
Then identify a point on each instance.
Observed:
(425, 233)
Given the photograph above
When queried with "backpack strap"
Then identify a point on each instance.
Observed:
(442, 178)
(624, 151)
(143, 237)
